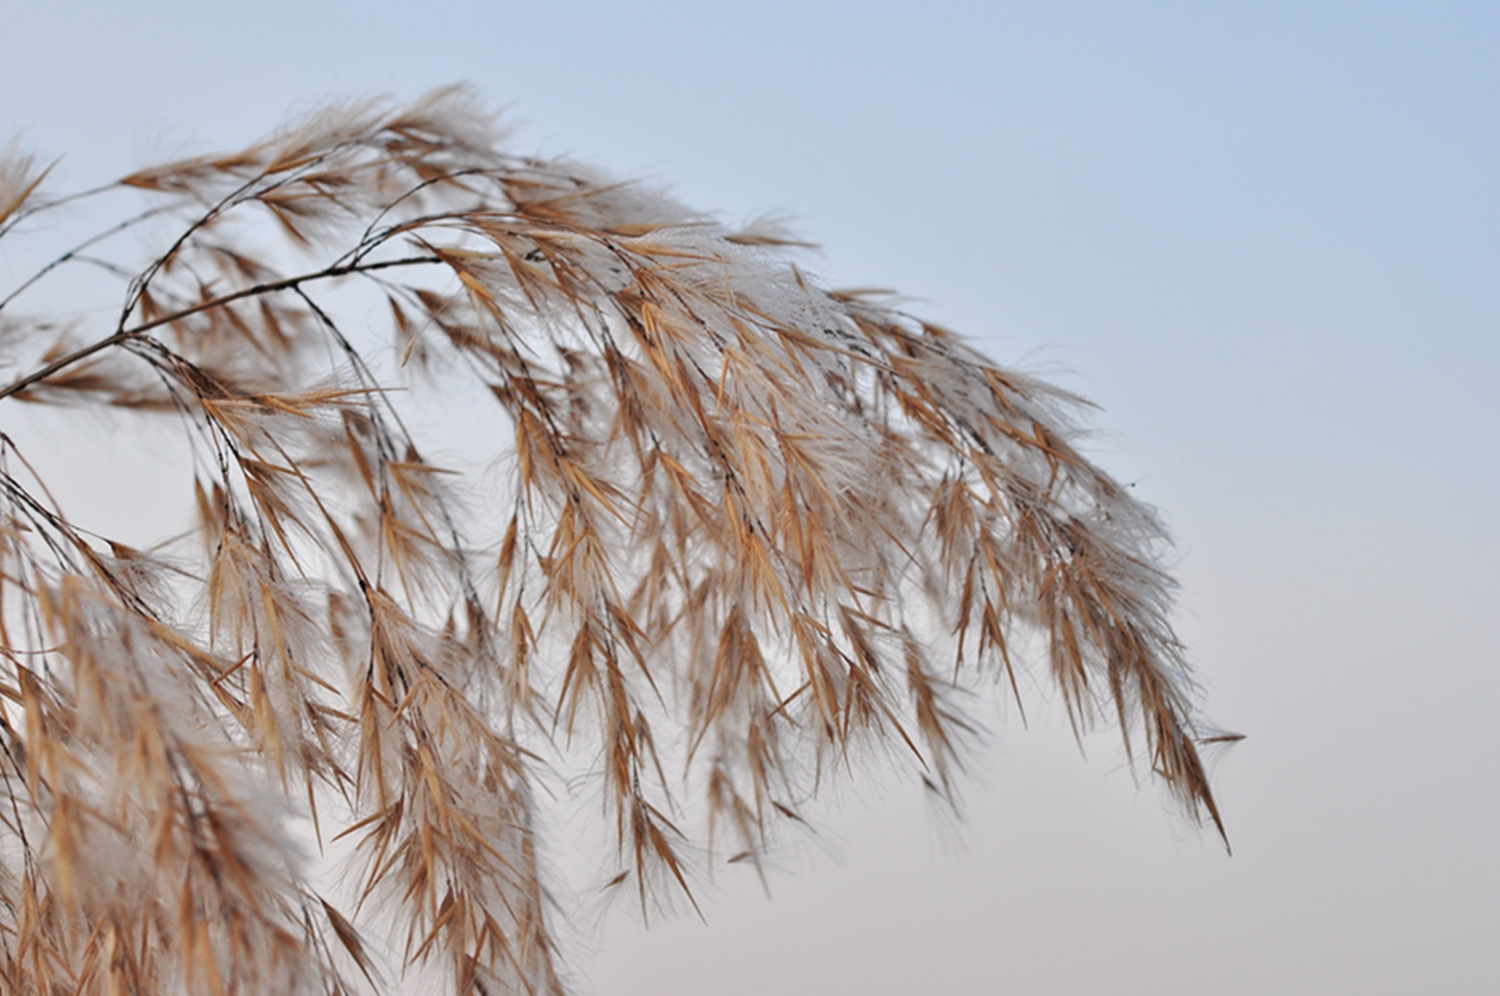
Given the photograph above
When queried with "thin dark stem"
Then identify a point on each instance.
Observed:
(74, 252)
(135, 331)
(227, 203)
(367, 241)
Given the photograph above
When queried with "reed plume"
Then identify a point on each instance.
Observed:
(745, 532)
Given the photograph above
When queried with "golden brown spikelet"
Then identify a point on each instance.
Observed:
(744, 530)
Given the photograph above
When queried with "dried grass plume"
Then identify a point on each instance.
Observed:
(744, 533)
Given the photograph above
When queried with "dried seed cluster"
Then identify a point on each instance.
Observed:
(751, 529)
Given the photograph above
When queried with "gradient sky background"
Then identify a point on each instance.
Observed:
(1263, 236)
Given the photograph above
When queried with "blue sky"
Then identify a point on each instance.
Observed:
(1263, 237)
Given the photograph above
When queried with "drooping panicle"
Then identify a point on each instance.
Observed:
(745, 532)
